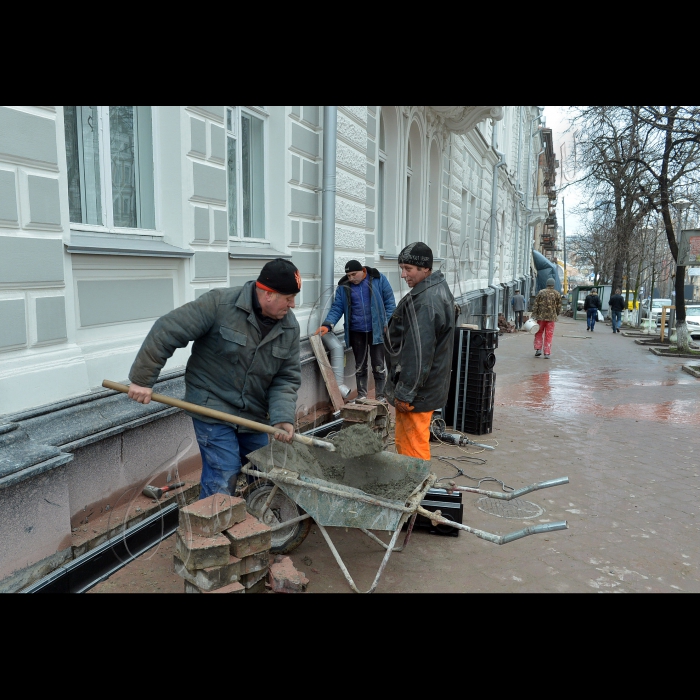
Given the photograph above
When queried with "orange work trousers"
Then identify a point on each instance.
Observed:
(412, 434)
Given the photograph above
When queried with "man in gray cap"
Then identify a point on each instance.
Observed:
(421, 336)
(546, 310)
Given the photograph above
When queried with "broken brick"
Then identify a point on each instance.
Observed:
(212, 577)
(255, 562)
(212, 515)
(284, 578)
(234, 587)
(249, 537)
(198, 552)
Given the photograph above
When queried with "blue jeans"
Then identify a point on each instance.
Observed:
(223, 448)
(616, 319)
(591, 318)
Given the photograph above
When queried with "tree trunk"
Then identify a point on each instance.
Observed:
(683, 339)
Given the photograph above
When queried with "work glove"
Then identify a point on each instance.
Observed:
(322, 330)
(403, 406)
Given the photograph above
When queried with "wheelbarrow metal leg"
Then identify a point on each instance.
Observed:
(372, 536)
(343, 568)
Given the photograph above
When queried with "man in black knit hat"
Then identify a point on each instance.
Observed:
(421, 334)
(244, 361)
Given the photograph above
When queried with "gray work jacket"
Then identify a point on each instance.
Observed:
(230, 368)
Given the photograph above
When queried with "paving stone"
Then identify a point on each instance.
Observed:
(212, 515)
(255, 562)
(198, 552)
(212, 577)
(253, 578)
(234, 587)
(248, 537)
(284, 578)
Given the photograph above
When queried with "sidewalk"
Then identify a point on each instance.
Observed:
(621, 423)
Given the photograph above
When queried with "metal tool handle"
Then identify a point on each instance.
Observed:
(220, 415)
(489, 536)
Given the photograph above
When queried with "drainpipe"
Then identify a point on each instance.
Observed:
(330, 340)
(330, 137)
(527, 175)
(494, 210)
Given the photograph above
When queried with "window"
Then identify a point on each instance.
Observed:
(380, 184)
(245, 167)
(409, 175)
(109, 152)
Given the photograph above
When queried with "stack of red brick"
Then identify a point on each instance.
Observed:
(221, 548)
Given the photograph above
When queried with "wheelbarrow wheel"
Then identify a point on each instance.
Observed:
(281, 508)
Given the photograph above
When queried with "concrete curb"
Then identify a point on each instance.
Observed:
(658, 352)
(689, 369)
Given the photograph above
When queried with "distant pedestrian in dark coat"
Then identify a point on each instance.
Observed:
(592, 305)
(518, 304)
(617, 304)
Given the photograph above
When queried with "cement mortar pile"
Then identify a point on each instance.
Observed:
(357, 441)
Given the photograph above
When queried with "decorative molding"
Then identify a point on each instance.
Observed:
(350, 158)
(460, 120)
(359, 112)
(349, 212)
(349, 238)
(352, 132)
(344, 182)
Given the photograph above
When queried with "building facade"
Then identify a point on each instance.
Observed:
(113, 216)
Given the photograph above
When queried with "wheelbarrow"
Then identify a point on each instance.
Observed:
(377, 492)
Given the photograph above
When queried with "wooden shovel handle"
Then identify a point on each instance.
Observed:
(220, 415)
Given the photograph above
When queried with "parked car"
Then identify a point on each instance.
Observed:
(655, 311)
(692, 320)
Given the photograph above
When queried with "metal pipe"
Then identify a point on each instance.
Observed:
(330, 139)
(512, 494)
(494, 198)
(337, 350)
(279, 526)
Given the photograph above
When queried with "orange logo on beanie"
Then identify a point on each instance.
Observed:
(297, 277)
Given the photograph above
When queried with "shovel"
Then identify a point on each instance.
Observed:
(220, 415)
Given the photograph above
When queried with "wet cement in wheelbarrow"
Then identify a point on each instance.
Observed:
(357, 441)
(384, 474)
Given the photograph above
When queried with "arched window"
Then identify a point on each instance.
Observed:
(387, 179)
(414, 185)
(434, 186)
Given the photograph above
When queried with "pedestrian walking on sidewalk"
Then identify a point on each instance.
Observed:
(617, 303)
(545, 311)
(518, 304)
(592, 305)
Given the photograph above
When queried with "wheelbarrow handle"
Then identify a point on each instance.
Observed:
(220, 415)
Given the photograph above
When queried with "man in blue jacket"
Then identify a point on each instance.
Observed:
(366, 299)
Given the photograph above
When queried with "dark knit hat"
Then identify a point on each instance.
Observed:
(550, 282)
(353, 266)
(280, 275)
(417, 254)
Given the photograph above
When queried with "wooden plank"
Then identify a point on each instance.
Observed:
(326, 372)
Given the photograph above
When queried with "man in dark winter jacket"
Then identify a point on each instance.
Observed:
(244, 361)
(366, 299)
(617, 304)
(592, 305)
(421, 335)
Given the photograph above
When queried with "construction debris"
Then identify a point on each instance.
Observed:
(284, 578)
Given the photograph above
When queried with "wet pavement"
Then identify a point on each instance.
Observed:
(620, 422)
